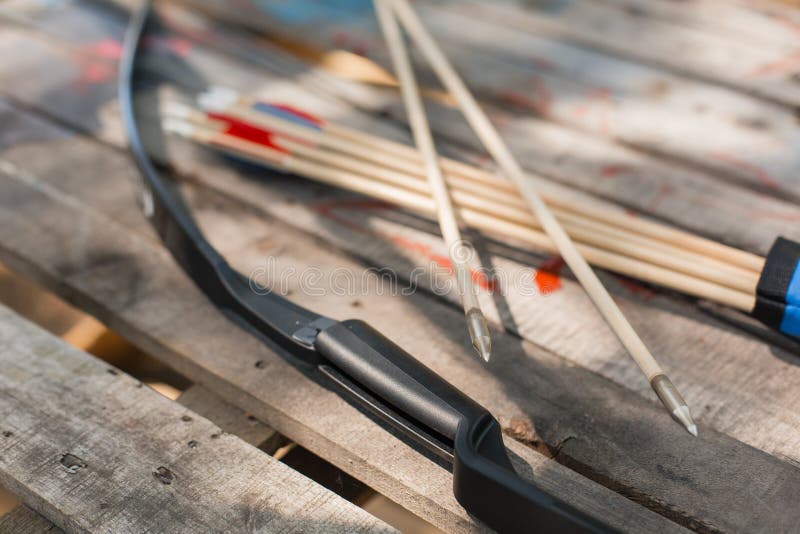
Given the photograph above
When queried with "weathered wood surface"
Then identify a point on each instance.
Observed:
(757, 21)
(522, 371)
(93, 450)
(24, 520)
(96, 251)
(763, 68)
(664, 188)
(230, 419)
(584, 131)
(653, 109)
(752, 429)
(205, 403)
(762, 21)
(678, 333)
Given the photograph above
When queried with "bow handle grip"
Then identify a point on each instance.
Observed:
(483, 478)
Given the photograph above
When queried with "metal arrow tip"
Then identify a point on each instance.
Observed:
(673, 401)
(483, 345)
(479, 333)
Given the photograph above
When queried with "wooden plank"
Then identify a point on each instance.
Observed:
(23, 520)
(526, 388)
(685, 197)
(760, 22)
(126, 278)
(729, 414)
(93, 450)
(610, 98)
(647, 108)
(646, 183)
(599, 98)
(552, 331)
(758, 68)
(230, 419)
(673, 328)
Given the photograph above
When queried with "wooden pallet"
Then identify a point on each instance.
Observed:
(91, 449)
(68, 221)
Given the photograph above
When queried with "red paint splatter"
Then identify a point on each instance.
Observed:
(298, 113)
(95, 74)
(612, 171)
(548, 276)
(97, 62)
(540, 102)
(106, 48)
(327, 209)
(760, 174)
(248, 132)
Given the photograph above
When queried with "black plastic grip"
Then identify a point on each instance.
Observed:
(394, 376)
(484, 481)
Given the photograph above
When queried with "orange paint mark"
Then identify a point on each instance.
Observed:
(327, 210)
(444, 262)
(760, 174)
(548, 276)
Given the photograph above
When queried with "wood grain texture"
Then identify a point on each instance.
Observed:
(678, 333)
(24, 520)
(742, 64)
(636, 135)
(117, 271)
(230, 419)
(94, 450)
(527, 388)
(616, 99)
(727, 417)
(704, 202)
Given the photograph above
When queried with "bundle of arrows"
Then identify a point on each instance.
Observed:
(509, 204)
(288, 139)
